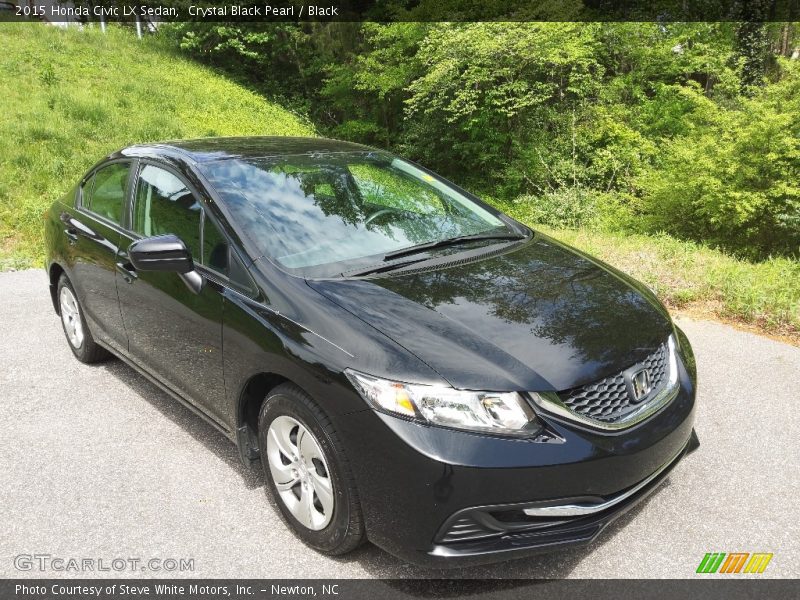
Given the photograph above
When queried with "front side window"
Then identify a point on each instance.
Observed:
(104, 193)
(165, 205)
(322, 214)
(238, 274)
(215, 247)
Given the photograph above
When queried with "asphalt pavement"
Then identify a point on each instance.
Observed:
(97, 463)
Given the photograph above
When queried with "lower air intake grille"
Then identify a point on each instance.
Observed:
(466, 528)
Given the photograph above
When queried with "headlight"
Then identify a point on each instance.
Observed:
(505, 413)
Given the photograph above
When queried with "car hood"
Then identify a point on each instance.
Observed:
(541, 317)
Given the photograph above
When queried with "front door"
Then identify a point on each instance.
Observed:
(175, 333)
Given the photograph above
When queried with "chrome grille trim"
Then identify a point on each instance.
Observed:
(553, 404)
(581, 510)
(610, 399)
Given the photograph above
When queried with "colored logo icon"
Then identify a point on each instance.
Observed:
(734, 562)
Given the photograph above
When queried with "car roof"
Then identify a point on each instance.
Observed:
(221, 148)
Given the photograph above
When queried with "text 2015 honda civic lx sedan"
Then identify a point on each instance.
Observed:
(408, 365)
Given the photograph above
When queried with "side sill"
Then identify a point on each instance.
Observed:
(195, 409)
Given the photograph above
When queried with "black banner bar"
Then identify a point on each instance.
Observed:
(403, 10)
(733, 588)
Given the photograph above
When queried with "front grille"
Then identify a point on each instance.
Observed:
(609, 399)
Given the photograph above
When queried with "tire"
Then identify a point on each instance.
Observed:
(73, 323)
(287, 418)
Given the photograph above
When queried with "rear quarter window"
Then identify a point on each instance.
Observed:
(85, 192)
(107, 195)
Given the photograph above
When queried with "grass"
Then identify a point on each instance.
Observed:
(698, 280)
(71, 97)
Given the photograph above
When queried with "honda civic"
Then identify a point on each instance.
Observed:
(404, 362)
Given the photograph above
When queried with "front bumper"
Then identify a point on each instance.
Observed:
(433, 496)
(488, 532)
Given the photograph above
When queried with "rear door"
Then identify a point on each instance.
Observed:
(93, 228)
(173, 332)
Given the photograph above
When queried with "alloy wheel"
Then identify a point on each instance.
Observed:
(300, 472)
(71, 317)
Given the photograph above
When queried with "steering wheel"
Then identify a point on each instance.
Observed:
(378, 213)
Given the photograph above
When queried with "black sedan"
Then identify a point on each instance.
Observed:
(406, 363)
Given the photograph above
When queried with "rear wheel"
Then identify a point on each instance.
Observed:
(79, 337)
(308, 473)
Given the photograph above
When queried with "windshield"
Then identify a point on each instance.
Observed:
(325, 214)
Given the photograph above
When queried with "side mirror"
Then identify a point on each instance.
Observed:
(166, 253)
(161, 253)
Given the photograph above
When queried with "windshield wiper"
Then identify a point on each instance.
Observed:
(461, 239)
(381, 268)
(384, 267)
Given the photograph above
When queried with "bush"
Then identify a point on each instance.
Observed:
(733, 179)
(571, 207)
(688, 128)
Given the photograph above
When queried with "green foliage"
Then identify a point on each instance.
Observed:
(71, 97)
(487, 101)
(687, 128)
(732, 178)
(638, 133)
(570, 206)
(256, 53)
(635, 126)
(363, 93)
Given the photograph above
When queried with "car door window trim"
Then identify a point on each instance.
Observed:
(83, 209)
(202, 199)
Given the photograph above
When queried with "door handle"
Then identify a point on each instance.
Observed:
(72, 235)
(127, 270)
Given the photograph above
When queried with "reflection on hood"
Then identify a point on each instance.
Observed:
(538, 318)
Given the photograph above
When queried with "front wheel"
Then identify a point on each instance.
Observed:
(308, 473)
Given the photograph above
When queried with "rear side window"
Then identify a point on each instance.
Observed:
(165, 205)
(104, 193)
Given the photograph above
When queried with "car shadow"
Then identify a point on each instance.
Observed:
(213, 439)
(395, 573)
